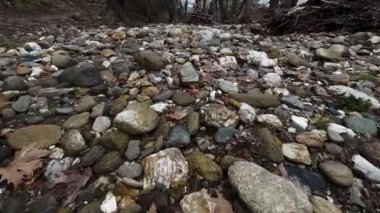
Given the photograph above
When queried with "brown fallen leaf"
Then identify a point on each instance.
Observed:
(73, 182)
(25, 162)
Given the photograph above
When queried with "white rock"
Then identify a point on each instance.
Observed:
(109, 204)
(167, 167)
(247, 113)
(348, 91)
(205, 35)
(252, 75)
(228, 61)
(33, 46)
(160, 107)
(296, 152)
(368, 169)
(228, 87)
(260, 58)
(300, 122)
(55, 167)
(334, 132)
(281, 91)
(269, 119)
(374, 39)
(36, 71)
(225, 51)
(199, 202)
(272, 79)
(101, 124)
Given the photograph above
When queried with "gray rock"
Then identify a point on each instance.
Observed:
(331, 54)
(98, 110)
(85, 104)
(53, 92)
(150, 60)
(337, 173)
(293, 101)
(371, 151)
(183, 99)
(224, 134)
(92, 156)
(101, 124)
(138, 118)
(34, 119)
(109, 163)
(77, 121)
(321, 205)
(348, 91)
(7, 114)
(272, 79)
(247, 113)
(263, 191)
(189, 75)
(62, 60)
(362, 125)
(130, 170)
(64, 110)
(193, 123)
(178, 137)
(73, 142)
(14, 83)
(133, 150)
(82, 75)
(22, 104)
(228, 87)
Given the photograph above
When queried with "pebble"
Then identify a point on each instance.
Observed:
(272, 79)
(92, 156)
(270, 119)
(310, 139)
(178, 137)
(300, 122)
(293, 101)
(228, 87)
(362, 125)
(73, 142)
(271, 145)
(204, 166)
(130, 170)
(133, 150)
(183, 99)
(108, 163)
(296, 152)
(224, 134)
(337, 173)
(85, 104)
(193, 123)
(101, 124)
(247, 114)
(77, 121)
(335, 131)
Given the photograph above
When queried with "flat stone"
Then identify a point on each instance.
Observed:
(77, 121)
(178, 137)
(371, 151)
(64, 110)
(22, 104)
(224, 134)
(272, 79)
(85, 104)
(263, 191)
(167, 167)
(93, 155)
(101, 124)
(313, 180)
(362, 125)
(14, 83)
(114, 140)
(183, 99)
(43, 135)
(228, 87)
(133, 150)
(335, 132)
(310, 139)
(130, 170)
(321, 205)
(136, 119)
(271, 145)
(293, 101)
(193, 123)
(204, 166)
(62, 60)
(257, 99)
(299, 122)
(348, 91)
(337, 173)
(82, 75)
(189, 75)
(269, 119)
(53, 92)
(109, 163)
(150, 60)
(296, 152)
(34, 119)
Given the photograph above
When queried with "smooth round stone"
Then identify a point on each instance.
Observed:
(130, 170)
(183, 99)
(73, 142)
(36, 119)
(43, 135)
(14, 83)
(85, 104)
(109, 163)
(77, 121)
(101, 124)
(7, 114)
(362, 125)
(22, 104)
(337, 173)
(224, 134)
(178, 137)
(64, 110)
(133, 150)
(93, 155)
(371, 151)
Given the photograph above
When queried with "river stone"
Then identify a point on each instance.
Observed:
(247, 113)
(130, 170)
(296, 152)
(199, 202)
(263, 191)
(109, 163)
(14, 83)
(61, 59)
(183, 99)
(189, 75)
(224, 134)
(167, 167)
(178, 137)
(335, 131)
(77, 121)
(321, 205)
(150, 60)
(371, 151)
(204, 166)
(217, 115)
(82, 75)
(137, 119)
(22, 104)
(85, 104)
(43, 135)
(258, 99)
(271, 145)
(114, 140)
(328, 54)
(228, 87)
(270, 119)
(133, 150)
(310, 139)
(101, 124)
(362, 125)
(337, 173)
(193, 123)
(73, 142)
(293, 101)
(93, 155)
(348, 91)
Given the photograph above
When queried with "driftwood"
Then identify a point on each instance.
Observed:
(327, 16)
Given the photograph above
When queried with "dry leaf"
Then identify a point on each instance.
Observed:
(73, 181)
(222, 205)
(25, 162)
